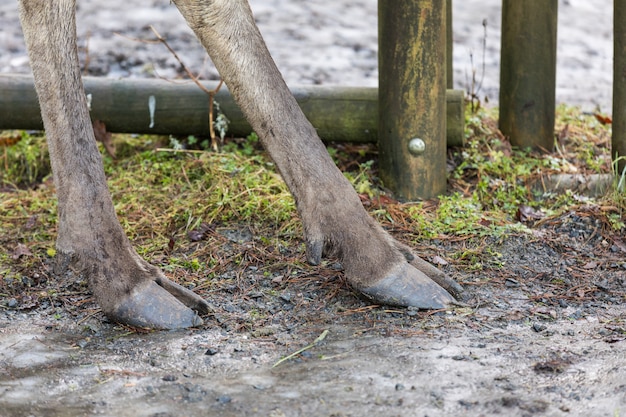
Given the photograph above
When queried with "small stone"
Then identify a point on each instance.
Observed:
(538, 327)
(211, 351)
(224, 399)
(170, 378)
(511, 283)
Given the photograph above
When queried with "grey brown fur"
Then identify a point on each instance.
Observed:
(90, 237)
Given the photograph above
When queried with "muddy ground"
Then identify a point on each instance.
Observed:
(543, 333)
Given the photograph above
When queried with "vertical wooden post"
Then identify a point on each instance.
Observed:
(618, 141)
(528, 72)
(412, 87)
(449, 48)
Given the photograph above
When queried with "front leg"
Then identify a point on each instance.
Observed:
(334, 218)
(91, 240)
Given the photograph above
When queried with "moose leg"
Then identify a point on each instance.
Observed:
(333, 217)
(90, 239)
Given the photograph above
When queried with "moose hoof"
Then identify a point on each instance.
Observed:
(154, 307)
(406, 286)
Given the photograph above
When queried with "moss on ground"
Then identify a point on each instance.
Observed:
(184, 209)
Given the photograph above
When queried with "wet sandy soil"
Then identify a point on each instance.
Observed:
(55, 369)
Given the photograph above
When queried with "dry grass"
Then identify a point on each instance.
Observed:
(225, 224)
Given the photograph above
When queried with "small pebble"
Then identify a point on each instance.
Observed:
(538, 327)
(224, 399)
(510, 282)
(211, 351)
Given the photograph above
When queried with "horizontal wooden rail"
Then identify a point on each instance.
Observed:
(528, 72)
(343, 114)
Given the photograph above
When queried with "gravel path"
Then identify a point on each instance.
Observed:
(329, 42)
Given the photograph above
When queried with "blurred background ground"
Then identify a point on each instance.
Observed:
(330, 42)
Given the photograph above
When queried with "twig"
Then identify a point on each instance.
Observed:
(189, 73)
(178, 150)
(307, 347)
(211, 93)
(476, 86)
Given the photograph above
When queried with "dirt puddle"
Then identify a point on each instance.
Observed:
(567, 368)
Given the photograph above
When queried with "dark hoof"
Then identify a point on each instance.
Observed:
(440, 278)
(185, 296)
(408, 287)
(154, 307)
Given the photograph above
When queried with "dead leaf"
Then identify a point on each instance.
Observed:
(383, 200)
(28, 302)
(526, 213)
(590, 265)
(21, 250)
(201, 232)
(195, 235)
(10, 139)
(100, 131)
(485, 222)
(618, 243)
(31, 223)
(605, 120)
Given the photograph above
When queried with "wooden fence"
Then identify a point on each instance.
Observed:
(618, 142)
(341, 114)
(405, 114)
(411, 56)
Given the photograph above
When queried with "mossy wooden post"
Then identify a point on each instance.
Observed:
(412, 86)
(528, 72)
(618, 142)
(449, 49)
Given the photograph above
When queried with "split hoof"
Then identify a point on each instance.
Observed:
(154, 307)
(406, 286)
